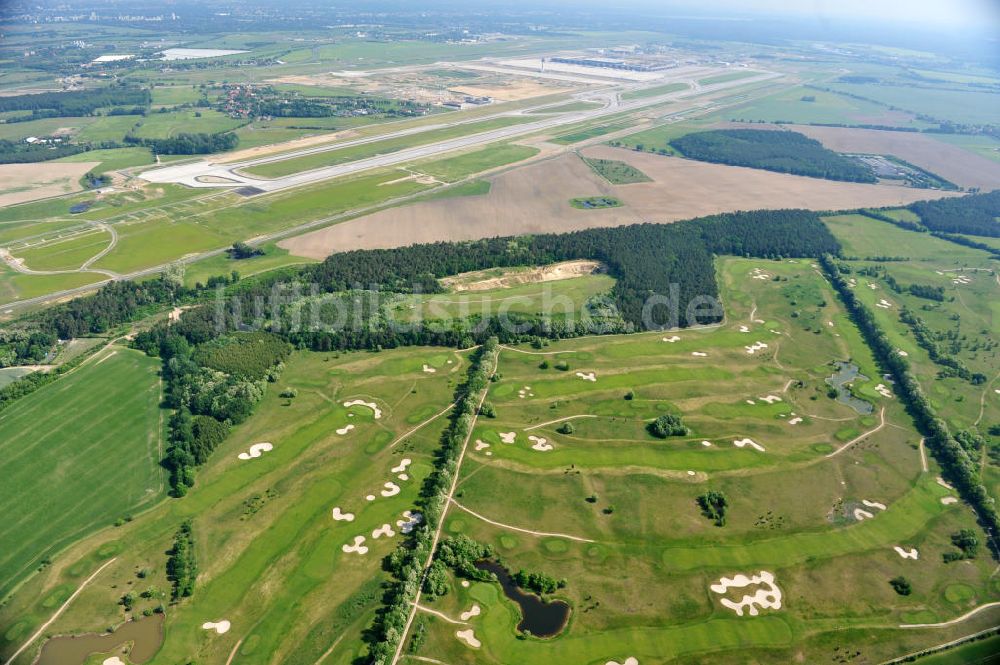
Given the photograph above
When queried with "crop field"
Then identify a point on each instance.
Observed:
(269, 551)
(63, 436)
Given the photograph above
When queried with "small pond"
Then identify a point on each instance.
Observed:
(540, 618)
(845, 374)
(146, 635)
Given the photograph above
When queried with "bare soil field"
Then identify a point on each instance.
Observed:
(511, 91)
(948, 161)
(285, 146)
(486, 280)
(30, 182)
(535, 199)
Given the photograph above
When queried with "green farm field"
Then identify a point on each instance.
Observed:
(64, 435)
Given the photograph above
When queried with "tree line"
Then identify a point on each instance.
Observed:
(72, 103)
(188, 144)
(975, 214)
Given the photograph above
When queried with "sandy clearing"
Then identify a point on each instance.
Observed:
(409, 521)
(478, 281)
(220, 627)
(699, 354)
(767, 597)
(256, 450)
(631, 660)
(114, 660)
(30, 182)
(535, 199)
(744, 329)
(508, 437)
(911, 553)
(795, 421)
(428, 369)
(672, 339)
(755, 347)
(402, 466)
(383, 531)
(510, 92)
(873, 504)
(356, 547)
(360, 402)
(344, 430)
(481, 445)
(340, 515)
(770, 399)
(391, 489)
(587, 376)
(948, 161)
(741, 443)
(706, 443)
(540, 444)
(948, 500)
(884, 391)
(469, 637)
(466, 584)
(861, 514)
(944, 483)
(473, 611)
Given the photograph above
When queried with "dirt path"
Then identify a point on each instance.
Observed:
(100, 255)
(923, 456)
(444, 513)
(559, 420)
(541, 534)
(960, 619)
(860, 436)
(232, 654)
(62, 608)
(442, 615)
(432, 418)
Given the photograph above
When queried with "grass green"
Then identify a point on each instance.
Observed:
(654, 91)
(451, 169)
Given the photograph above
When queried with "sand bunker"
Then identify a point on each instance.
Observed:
(356, 547)
(744, 329)
(401, 467)
(706, 443)
(751, 402)
(428, 369)
(466, 584)
(740, 443)
(944, 483)
(873, 504)
(256, 450)
(391, 489)
(948, 500)
(371, 405)
(469, 637)
(631, 660)
(860, 514)
(540, 444)
(907, 554)
(795, 421)
(340, 515)
(882, 390)
(770, 399)
(766, 598)
(508, 437)
(755, 347)
(220, 627)
(902, 353)
(114, 660)
(384, 530)
(883, 304)
(758, 273)
(699, 354)
(587, 376)
(480, 445)
(474, 611)
(672, 339)
(409, 521)
(345, 429)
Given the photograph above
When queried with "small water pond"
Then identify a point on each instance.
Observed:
(539, 617)
(145, 635)
(845, 374)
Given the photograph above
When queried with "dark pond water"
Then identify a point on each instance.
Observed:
(846, 373)
(542, 619)
(146, 635)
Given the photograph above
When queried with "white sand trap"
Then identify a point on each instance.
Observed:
(706, 443)
(340, 515)
(795, 421)
(481, 445)
(391, 489)
(540, 444)
(114, 660)
(371, 405)
(744, 329)
(829, 323)
(883, 304)
(873, 287)
(370, 497)
(903, 353)
(755, 347)
(384, 530)
(882, 390)
(861, 514)
(690, 473)
(403, 476)
(762, 276)
(356, 547)
(403, 463)
(948, 500)
(508, 437)
(474, 611)
(907, 554)
(256, 450)
(631, 660)
(873, 504)
(760, 321)
(997, 391)
(944, 483)
(699, 354)
(410, 520)
(345, 429)
(469, 637)
(767, 597)
(770, 399)
(741, 443)
(428, 369)
(672, 339)
(750, 401)
(587, 376)
(220, 627)
(466, 584)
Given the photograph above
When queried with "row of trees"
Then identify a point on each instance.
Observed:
(187, 143)
(956, 464)
(951, 366)
(406, 563)
(77, 102)
(781, 151)
(182, 567)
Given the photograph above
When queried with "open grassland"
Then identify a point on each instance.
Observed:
(18, 286)
(67, 254)
(269, 552)
(90, 444)
(113, 159)
(725, 78)
(794, 105)
(656, 90)
(966, 323)
(286, 167)
(964, 106)
(451, 169)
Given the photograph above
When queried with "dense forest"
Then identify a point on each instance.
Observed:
(975, 214)
(77, 102)
(188, 144)
(20, 152)
(784, 152)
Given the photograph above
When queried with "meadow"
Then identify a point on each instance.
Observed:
(63, 436)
